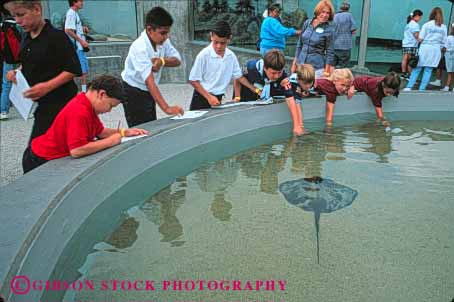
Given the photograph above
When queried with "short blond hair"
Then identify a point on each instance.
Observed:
(305, 73)
(341, 74)
(322, 5)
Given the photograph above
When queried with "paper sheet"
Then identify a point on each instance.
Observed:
(228, 105)
(130, 138)
(262, 102)
(250, 103)
(189, 115)
(22, 104)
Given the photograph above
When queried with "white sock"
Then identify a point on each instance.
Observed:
(84, 88)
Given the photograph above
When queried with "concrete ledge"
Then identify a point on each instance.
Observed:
(43, 210)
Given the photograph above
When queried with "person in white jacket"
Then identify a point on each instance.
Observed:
(449, 58)
(433, 35)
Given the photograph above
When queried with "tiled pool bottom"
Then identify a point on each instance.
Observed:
(229, 220)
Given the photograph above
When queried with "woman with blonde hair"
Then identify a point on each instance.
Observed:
(433, 35)
(316, 43)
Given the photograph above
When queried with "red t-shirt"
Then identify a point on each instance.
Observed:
(76, 125)
(369, 85)
(326, 87)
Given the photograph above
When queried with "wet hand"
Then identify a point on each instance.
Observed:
(385, 123)
(298, 131)
(350, 93)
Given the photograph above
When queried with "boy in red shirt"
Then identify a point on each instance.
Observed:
(76, 127)
(377, 88)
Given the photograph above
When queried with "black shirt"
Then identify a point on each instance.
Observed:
(45, 57)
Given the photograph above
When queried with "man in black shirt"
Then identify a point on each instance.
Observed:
(48, 61)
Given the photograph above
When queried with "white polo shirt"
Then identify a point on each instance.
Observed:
(73, 22)
(138, 62)
(215, 72)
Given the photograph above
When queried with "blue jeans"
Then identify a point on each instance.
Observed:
(6, 87)
(425, 77)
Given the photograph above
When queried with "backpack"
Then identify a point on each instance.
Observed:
(10, 40)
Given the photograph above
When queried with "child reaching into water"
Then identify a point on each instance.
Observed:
(377, 88)
(302, 81)
(338, 83)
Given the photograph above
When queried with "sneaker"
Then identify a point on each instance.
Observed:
(405, 76)
(406, 89)
(3, 116)
(435, 83)
(446, 88)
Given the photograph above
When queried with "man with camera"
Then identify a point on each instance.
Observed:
(75, 30)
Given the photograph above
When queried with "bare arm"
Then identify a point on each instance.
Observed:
(172, 62)
(72, 34)
(96, 146)
(246, 83)
(159, 99)
(169, 62)
(127, 132)
(41, 89)
(379, 112)
(237, 89)
(329, 113)
(106, 132)
(212, 100)
(293, 68)
(292, 107)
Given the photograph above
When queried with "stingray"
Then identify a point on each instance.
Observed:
(317, 195)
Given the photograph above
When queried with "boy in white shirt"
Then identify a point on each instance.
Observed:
(75, 30)
(147, 55)
(214, 67)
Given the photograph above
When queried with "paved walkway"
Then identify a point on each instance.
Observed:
(14, 132)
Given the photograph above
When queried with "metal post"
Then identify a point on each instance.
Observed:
(361, 67)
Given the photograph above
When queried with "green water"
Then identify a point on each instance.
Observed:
(228, 220)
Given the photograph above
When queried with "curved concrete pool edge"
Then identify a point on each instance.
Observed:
(42, 210)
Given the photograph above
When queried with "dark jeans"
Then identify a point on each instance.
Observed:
(199, 102)
(341, 58)
(139, 106)
(30, 160)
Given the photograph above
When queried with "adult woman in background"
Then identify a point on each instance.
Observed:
(273, 33)
(316, 43)
(433, 35)
(410, 41)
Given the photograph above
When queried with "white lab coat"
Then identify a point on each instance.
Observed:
(434, 39)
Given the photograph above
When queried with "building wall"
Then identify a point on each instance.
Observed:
(109, 57)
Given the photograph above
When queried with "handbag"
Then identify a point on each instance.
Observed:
(413, 62)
